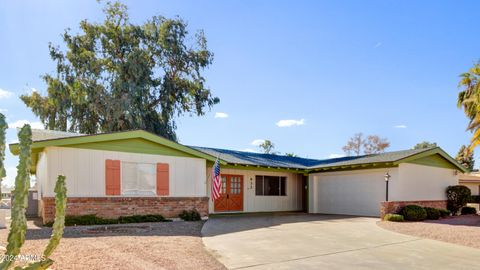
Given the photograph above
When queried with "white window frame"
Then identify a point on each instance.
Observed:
(138, 191)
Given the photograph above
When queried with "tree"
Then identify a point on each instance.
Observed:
(357, 145)
(116, 76)
(3, 130)
(375, 145)
(291, 155)
(267, 147)
(469, 100)
(465, 157)
(424, 144)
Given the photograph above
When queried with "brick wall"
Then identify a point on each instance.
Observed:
(395, 206)
(113, 207)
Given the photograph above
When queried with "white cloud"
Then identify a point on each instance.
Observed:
(34, 90)
(3, 110)
(221, 115)
(336, 155)
(290, 123)
(5, 93)
(20, 123)
(257, 142)
(249, 150)
(378, 45)
(400, 126)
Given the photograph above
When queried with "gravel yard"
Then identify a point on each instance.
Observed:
(166, 245)
(462, 230)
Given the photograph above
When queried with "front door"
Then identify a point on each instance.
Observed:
(231, 194)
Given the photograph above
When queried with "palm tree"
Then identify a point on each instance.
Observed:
(469, 100)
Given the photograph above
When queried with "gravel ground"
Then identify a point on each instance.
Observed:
(165, 245)
(462, 230)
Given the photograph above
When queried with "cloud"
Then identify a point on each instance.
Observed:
(378, 45)
(290, 123)
(20, 123)
(5, 93)
(400, 126)
(336, 155)
(3, 110)
(34, 90)
(249, 150)
(257, 142)
(221, 115)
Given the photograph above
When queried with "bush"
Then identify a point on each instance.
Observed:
(413, 213)
(474, 199)
(191, 215)
(393, 217)
(458, 197)
(432, 213)
(467, 210)
(94, 220)
(444, 213)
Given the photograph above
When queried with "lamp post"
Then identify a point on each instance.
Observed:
(387, 178)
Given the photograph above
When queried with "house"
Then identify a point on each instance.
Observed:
(137, 172)
(471, 180)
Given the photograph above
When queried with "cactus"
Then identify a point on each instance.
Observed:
(18, 227)
(3, 128)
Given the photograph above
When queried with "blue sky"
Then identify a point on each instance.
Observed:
(335, 67)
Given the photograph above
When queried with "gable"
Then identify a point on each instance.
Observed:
(434, 161)
(133, 145)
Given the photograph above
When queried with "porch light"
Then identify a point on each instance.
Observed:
(387, 177)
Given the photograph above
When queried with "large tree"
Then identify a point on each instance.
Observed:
(117, 75)
(469, 100)
(424, 144)
(465, 157)
(267, 147)
(358, 145)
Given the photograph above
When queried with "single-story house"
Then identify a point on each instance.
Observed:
(470, 180)
(137, 172)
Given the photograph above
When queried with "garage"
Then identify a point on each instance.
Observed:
(351, 192)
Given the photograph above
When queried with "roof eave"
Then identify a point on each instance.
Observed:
(433, 151)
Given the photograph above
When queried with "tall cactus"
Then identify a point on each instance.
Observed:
(3, 129)
(18, 227)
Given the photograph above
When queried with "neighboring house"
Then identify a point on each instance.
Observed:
(136, 172)
(471, 180)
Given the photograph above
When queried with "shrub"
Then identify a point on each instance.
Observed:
(393, 217)
(432, 213)
(467, 210)
(413, 213)
(94, 220)
(191, 215)
(474, 199)
(444, 213)
(458, 197)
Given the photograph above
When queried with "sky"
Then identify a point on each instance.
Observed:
(306, 75)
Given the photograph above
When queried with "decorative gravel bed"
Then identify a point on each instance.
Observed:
(164, 245)
(462, 230)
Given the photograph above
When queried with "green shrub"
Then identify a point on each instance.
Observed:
(94, 220)
(413, 213)
(393, 217)
(458, 197)
(432, 213)
(444, 212)
(467, 210)
(474, 199)
(190, 215)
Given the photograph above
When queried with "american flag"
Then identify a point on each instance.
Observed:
(216, 181)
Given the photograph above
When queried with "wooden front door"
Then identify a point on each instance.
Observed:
(231, 194)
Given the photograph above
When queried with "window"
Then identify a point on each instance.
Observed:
(270, 185)
(138, 178)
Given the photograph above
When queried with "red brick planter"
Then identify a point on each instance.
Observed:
(113, 207)
(394, 206)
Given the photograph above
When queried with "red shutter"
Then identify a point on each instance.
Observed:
(162, 179)
(112, 177)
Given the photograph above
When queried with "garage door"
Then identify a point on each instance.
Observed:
(350, 193)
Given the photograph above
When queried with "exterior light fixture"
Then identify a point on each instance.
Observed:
(387, 179)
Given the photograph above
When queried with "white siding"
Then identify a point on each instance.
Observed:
(419, 182)
(357, 192)
(41, 176)
(85, 171)
(253, 203)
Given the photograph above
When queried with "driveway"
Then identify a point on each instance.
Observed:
(301, 241)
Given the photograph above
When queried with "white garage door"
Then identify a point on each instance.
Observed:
(350, 193)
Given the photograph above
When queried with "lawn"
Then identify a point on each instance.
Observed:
(462, 230)
(166, 245)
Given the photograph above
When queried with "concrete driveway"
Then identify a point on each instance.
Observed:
(301, 241)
